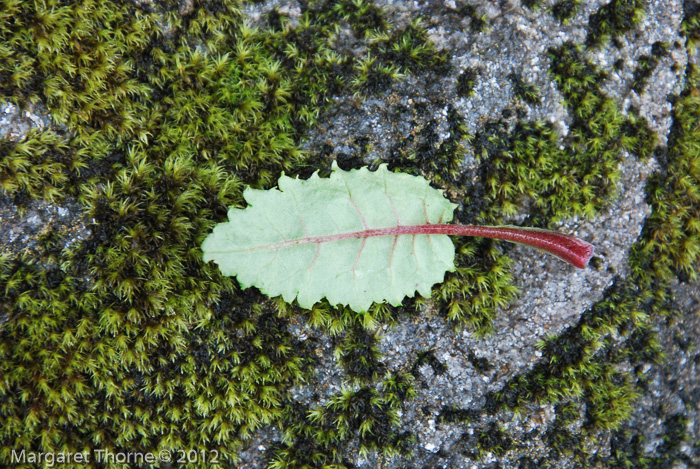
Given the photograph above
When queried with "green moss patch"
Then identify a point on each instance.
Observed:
(691, 24)
(317, 437)
(528, 162)
(647, 64)
(614, 19)
(564, 10)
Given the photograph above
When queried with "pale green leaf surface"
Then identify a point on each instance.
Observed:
(264, 244)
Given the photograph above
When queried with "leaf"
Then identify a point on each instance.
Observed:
(313, 239)
(355, 238)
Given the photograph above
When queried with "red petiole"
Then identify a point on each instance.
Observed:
(568, 248)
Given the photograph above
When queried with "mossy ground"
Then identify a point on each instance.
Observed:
(128, 342)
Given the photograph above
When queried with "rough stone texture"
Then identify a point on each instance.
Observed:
(553, 295)
(673, 387)
(15, 123)
(19, 228)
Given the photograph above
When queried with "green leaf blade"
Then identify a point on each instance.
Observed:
(305, 240)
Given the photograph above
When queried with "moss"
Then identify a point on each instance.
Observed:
(316, 437)
(408, 48)
(394, 53)
(532, 4)
(480, 364)
(529, 162)
(373, 77)
(154, 349)
(478, 23)
(670, 244)
(580, 364)
(578, 179)
(437, 160)
(398, 388)
(68, 56)
(311, 49)
(480, 285)
(647, 64)
(525, 91)
(362, 16)
(308, 443)
(564, 10)
(628, 449)
(528, 463)
(614, 19)
(359, 355)
(494, 440)
(690, 26)
(561, 442)
(453, 414)
(466, 81)
(619, 65)
(472, 294)
(40, 166)
(427, 357)
(337, 320)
